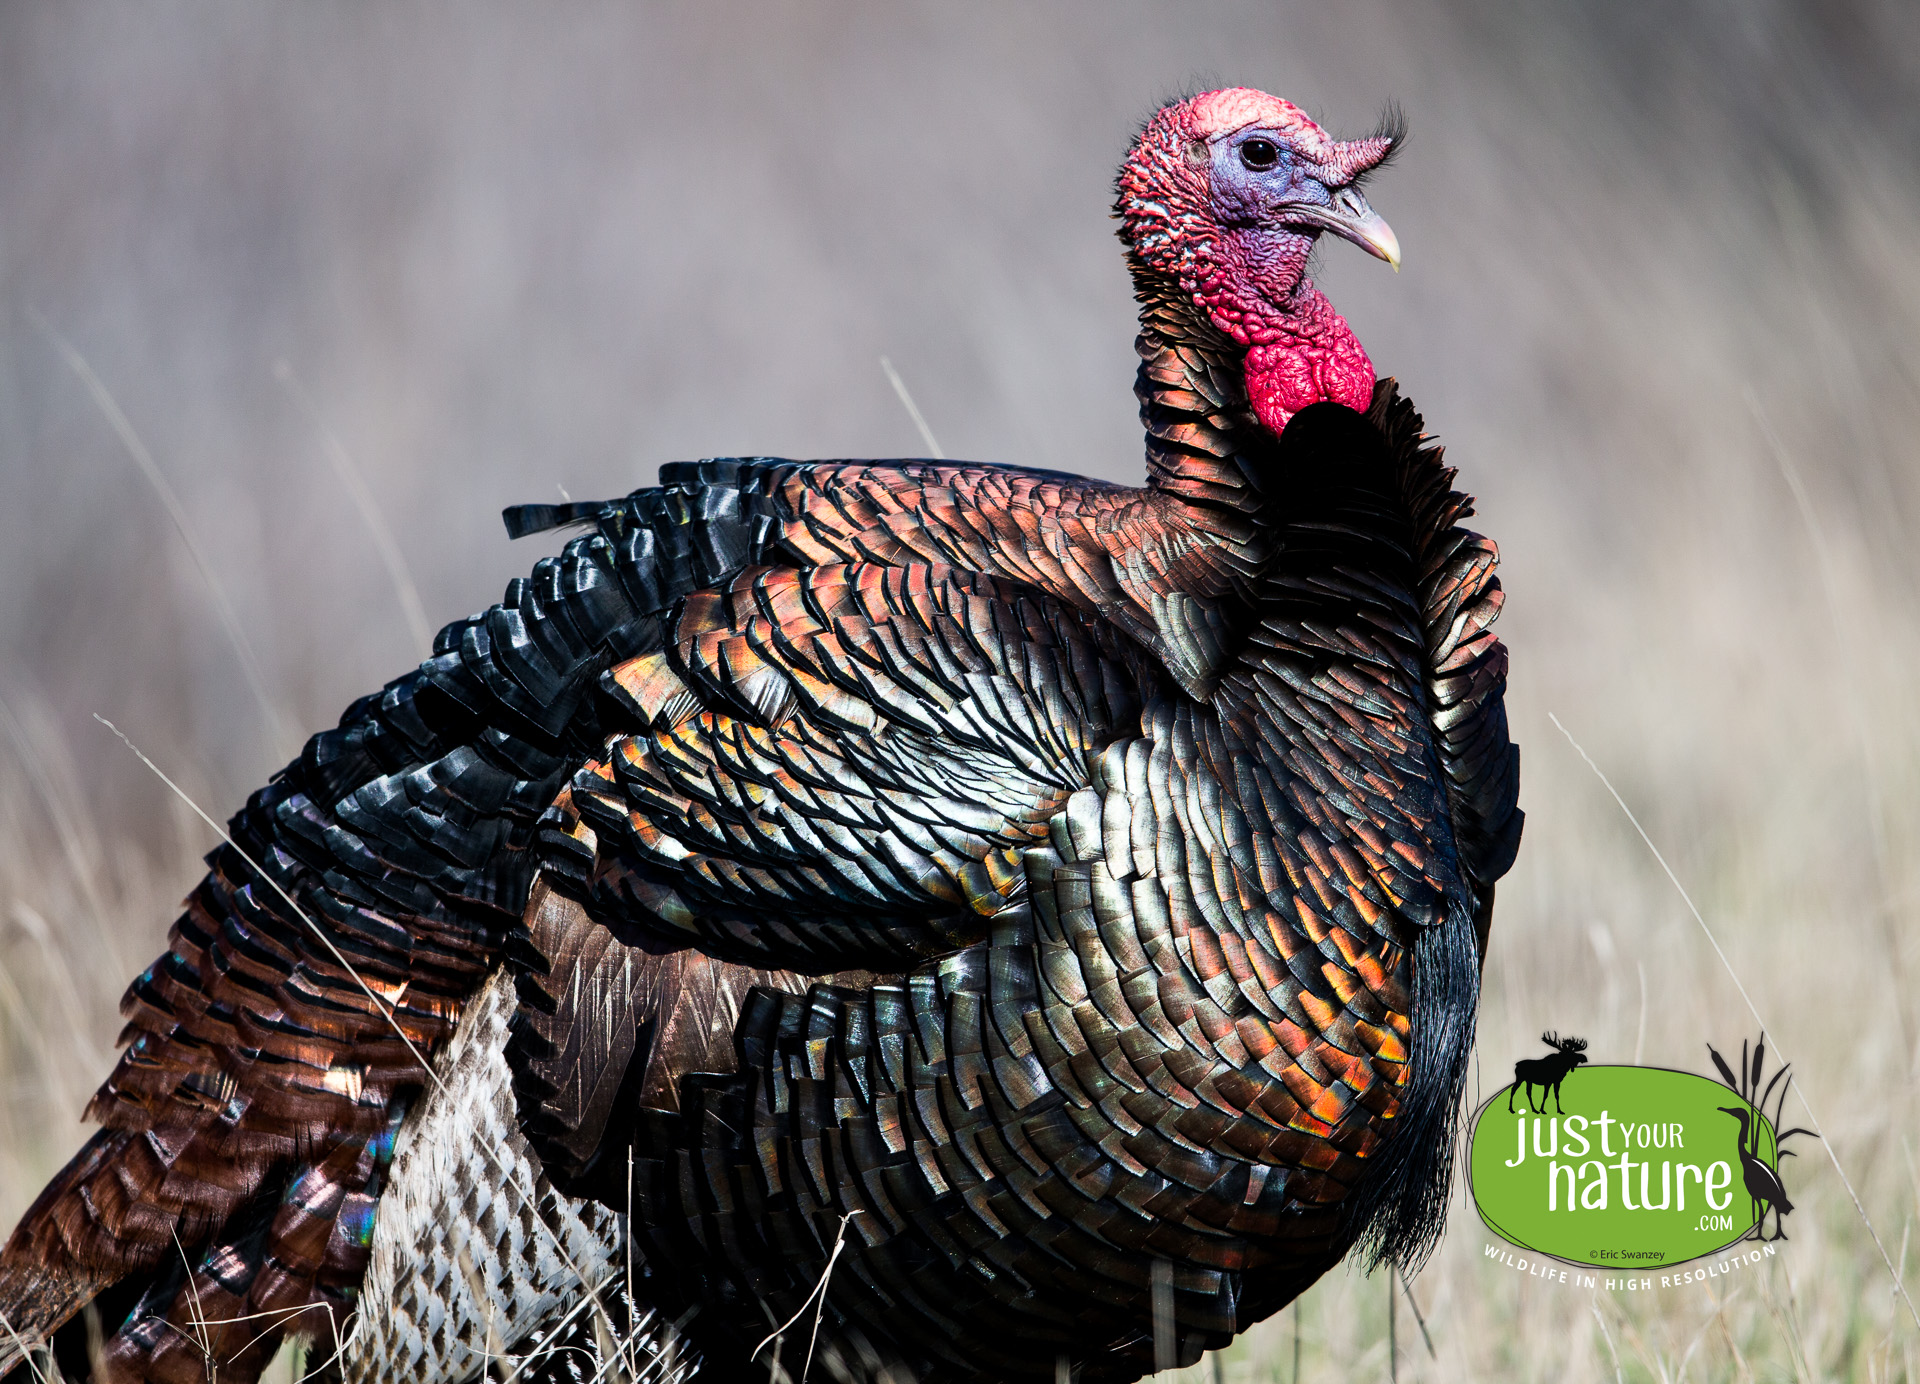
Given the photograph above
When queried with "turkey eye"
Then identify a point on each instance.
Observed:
(1259, 154)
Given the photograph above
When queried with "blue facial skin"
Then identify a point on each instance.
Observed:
(1276, 203)
(1252, 197)
(1250, 202)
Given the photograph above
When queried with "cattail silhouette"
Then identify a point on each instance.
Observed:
(1761, 1178)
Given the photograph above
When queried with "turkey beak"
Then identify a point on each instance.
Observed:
(1352, 219)
(1348, 216)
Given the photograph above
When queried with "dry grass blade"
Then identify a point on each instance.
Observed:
(1418, 1317)
(26, 1352)
(384, 543)
(589, 1299)
(279, 1317)
(230, 620)
(1166, 1345)
(380, 1006)
(818, 1295)
(913, 409)
(196, 1317)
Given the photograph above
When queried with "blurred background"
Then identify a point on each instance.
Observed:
(348, 279)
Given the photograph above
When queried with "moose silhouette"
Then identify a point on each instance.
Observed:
(1547, 1072)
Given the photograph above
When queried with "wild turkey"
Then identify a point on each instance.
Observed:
(1073, 893)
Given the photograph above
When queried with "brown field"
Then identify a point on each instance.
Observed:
(1661, 297)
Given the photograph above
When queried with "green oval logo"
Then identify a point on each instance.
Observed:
(1632, 1167)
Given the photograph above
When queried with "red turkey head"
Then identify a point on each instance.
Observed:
(1227, 193)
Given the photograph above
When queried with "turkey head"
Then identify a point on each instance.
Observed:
(1227, 193)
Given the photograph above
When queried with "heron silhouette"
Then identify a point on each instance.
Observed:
(1763, 1183)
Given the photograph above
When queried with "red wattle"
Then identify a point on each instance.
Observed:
(1311, 357)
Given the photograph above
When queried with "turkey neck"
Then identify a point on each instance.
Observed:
(1205, 445)
(1211, 447)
